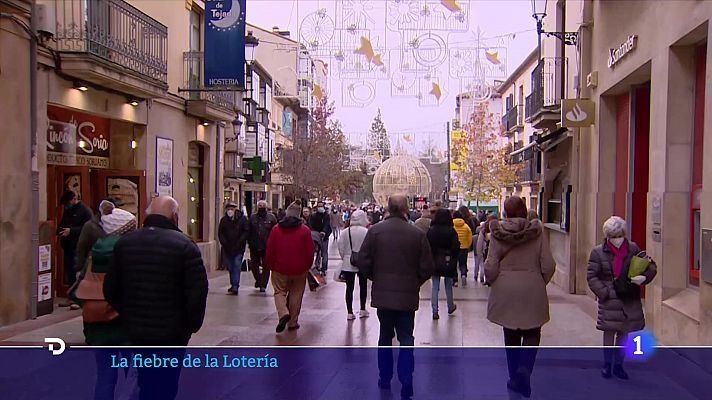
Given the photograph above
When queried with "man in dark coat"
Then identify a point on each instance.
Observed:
(261, 224)
(396, 256)
(74, 217)
(321, 222)
(232, 233)
(158, 284)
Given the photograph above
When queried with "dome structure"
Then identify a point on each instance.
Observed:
(401, 174)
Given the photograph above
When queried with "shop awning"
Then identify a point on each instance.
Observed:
(523, 149)
(551, 139)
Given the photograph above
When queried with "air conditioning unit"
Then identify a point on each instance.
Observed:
(46, 19)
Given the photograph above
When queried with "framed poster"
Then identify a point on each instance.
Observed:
(44, 287)
(164, 166)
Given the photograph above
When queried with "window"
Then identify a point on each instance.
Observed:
(196, 161)
(554, 205)
(194, 34)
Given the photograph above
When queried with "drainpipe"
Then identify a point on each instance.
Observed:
(219, 157)
(34, 222)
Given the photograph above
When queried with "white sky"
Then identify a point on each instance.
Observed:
(493, 17)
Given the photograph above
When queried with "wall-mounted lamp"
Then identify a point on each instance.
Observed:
(204, 122)
(82, 143)
(133, 144)
(133, 101)
(250, 43)
(80, 86)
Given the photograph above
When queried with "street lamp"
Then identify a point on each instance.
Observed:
(539, 13)
(250, 43)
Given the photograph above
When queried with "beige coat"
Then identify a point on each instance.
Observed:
(518, 299)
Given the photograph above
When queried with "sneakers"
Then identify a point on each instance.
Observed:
(364, 314)
(74, 306)
(293, 327)
(351, 317)
(454, 307)
(263, 290)
(464, 280)
(232, 292)
(436, 316)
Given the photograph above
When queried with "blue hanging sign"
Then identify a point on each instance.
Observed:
(224, 61)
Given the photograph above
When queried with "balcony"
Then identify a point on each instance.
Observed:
(513, 119)
(112, 44)
(233, 166)
(549, 86)
(203, 102)
(529, 174)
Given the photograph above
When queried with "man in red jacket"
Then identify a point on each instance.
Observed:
(290, 254)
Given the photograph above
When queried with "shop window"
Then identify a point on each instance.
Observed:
(554, 204)
(196, 161)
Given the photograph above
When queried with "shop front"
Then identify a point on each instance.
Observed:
(79, 159)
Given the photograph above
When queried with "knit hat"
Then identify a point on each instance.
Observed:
(294, 209)
(118, 222)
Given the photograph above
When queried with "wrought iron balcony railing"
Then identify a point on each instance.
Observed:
(549, 85)
(114, 31)
(193, 83)
(513, 118)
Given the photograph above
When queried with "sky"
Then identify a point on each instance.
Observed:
(505, 26)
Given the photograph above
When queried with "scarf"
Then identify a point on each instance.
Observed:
(619, 256)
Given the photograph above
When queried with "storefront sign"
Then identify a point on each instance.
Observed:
(75, 138)
(164, 167)
(577, 113)
(278, 178)
(224, 61)
(615, 55)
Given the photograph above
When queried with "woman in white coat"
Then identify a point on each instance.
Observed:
(350, 240)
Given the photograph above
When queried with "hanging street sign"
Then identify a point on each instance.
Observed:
(577, 113)
(224, 61)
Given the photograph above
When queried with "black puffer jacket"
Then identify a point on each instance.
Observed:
(158, 284)
(445, 246)
(260, 227)
(232, 233)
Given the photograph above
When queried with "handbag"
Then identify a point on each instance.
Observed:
(354, 254)
(315, 279)
(90, 291)
(638, 264)
(244, 266)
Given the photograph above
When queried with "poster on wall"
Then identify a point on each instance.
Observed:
(45, 263)
(76, 138)
(164, 167)
(44, 287)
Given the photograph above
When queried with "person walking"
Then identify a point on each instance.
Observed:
(75, 215)
(349, 242)
(445, 247)
(518, 267)
(320, 222)
(483, 241)
(159, 287)
(620, 310)
(102, 326)
(290, 252)
(232, 233)
(91, 232)
(424, 221)
(261, 224)
(396, 257)
(464, 234)
(336, 223)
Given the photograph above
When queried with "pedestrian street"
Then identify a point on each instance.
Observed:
(249, 319)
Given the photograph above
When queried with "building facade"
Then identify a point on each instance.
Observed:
(646, 158)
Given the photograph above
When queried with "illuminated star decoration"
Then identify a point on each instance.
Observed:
(366, 49)
(493, 57)
(451, 5)
(358, 8)
(436, 91)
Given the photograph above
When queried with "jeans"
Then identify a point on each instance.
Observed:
(462, 260)
(351, 285)
(325, 254)
(436, 293)
(161, 383)
(401, 324)
(521, 360)
(610, 353)
(106, 376)
(234, 265)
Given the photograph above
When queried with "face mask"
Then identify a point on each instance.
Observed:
(618, 242)
(230, 213)
(320, 209)
(262, 211)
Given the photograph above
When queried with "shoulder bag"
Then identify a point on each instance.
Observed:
(354, 254)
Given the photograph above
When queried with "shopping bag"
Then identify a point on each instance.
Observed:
(638, 264)
(315, 280)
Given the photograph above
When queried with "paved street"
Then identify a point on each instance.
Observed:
(250, 318)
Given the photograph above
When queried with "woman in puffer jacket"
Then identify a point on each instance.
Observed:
(618, 313)
(350, 239)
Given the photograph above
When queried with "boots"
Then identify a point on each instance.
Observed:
(606, 371)
(619, 372)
